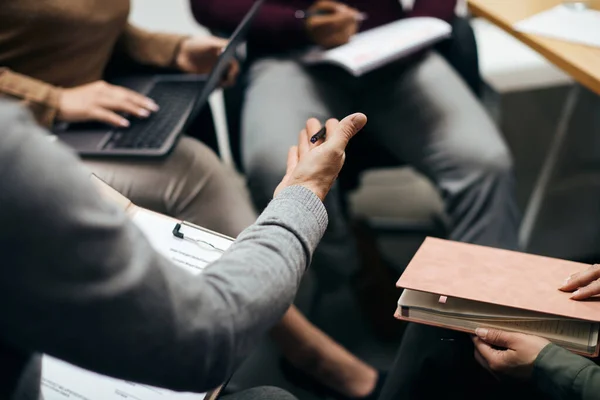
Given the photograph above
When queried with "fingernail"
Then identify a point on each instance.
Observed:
(125, 123)
(153, 106)
(143, 113)
(566, 281)
(358, 118)
(481, 332)
(576, 293)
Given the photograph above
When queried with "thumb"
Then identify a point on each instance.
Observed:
(495, 337)
(346, 130)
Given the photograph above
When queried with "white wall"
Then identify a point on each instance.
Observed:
(165, 15)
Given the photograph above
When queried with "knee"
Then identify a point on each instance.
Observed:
(275, 68)
(263, 393)
(498, 164)
(196, 175)
(206, 192)
(196, 161)
(495, 163)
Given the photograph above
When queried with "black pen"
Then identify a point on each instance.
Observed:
(301, 14)
(319, 135)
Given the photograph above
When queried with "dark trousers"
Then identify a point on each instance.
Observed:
(434, 363)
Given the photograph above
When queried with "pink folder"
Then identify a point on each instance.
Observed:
(502, 277)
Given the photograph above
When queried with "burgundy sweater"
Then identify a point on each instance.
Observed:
(276, 28)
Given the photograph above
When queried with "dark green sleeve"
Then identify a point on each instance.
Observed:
(561, 374)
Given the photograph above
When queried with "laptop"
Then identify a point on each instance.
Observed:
(180, 97)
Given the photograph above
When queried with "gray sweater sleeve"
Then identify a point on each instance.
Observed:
(79, 281)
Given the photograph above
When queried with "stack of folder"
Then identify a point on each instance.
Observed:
(464, 287)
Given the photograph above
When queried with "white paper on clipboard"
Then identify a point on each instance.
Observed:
(186, 254)
(62, 381)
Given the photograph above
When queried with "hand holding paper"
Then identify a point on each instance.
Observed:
(374, 48)
(332, 23)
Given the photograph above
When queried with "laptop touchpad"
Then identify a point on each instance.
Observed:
(85, 140)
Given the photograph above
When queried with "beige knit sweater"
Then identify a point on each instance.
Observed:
(49, 44)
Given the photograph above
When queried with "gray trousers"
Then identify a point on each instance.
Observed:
(421, 114)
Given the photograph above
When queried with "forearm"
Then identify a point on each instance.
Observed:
(41, 98)
(150, 48)
(275, 25)
(562, 375)
(101, 297)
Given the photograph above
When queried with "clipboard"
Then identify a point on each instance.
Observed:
(60, 379)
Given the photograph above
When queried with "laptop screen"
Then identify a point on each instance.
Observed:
(220, 69)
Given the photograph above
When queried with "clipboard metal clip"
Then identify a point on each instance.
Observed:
(202, 243)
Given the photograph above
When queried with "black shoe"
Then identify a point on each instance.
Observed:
(308, 383)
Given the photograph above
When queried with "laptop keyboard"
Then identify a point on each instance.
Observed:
(151, 133)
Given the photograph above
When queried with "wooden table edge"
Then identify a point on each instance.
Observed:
(580, 76)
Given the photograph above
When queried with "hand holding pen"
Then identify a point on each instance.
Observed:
(331, 24)
(318, 159)
(305, 14)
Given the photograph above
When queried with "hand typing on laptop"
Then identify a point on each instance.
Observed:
(102, 102)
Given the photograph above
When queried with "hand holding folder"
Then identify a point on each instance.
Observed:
(482, 287)
(516, 360)
(522, 350)
(586, 284)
